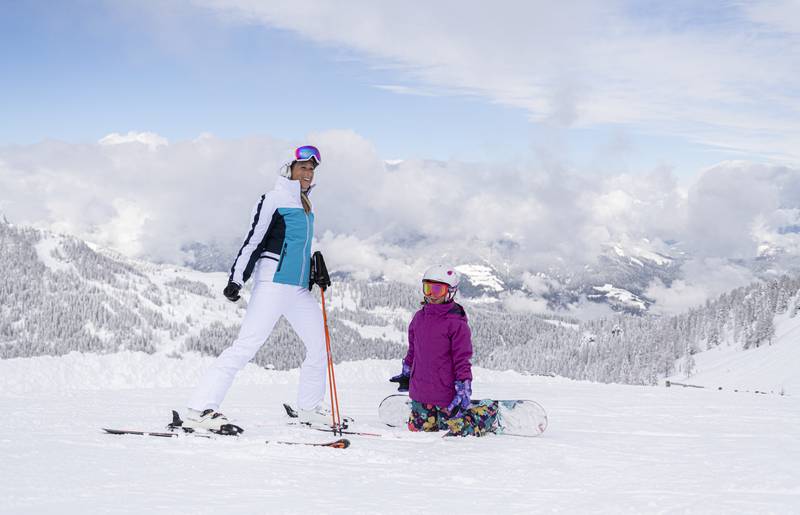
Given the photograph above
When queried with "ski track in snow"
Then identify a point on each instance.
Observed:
(608, 448)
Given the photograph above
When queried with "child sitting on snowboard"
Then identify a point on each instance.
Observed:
(437, 371)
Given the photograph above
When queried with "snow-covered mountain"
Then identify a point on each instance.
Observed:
(61, 295)
(618, 279)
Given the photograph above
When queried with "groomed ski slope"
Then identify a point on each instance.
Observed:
(608, 449)
(772, 368)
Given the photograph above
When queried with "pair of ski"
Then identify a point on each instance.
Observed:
(518, 417)
(176, 429)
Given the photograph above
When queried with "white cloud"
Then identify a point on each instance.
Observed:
(704, 279)
(519, 302)
(149, 139)
(392, 221)
(404, 90)
(736, 206)
(723, 76)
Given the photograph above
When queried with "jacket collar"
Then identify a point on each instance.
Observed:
(290, 186)
(438, 309)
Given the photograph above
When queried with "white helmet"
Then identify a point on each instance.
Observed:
(443, 274)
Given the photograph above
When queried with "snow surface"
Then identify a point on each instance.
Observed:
(608, 448)
(45, 252)
(620, 295)
(773, 368)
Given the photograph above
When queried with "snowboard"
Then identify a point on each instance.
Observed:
(521, 417)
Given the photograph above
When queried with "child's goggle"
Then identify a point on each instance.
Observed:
(434, 290)
(306, 152)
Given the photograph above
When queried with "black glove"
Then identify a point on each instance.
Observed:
(402, 378)
(231, 291)
(319, 272)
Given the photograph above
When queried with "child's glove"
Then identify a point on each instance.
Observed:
(463, 394)
(402, 378)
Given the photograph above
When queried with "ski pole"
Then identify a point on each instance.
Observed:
(335, 416)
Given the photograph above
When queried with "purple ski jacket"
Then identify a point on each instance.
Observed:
(439, 352)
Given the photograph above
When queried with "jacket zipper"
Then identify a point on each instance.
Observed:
(305, 246)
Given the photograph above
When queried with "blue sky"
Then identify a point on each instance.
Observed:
(78, 70)
(550, 132)
(77, 74)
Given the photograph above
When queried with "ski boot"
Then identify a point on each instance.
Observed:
(208, 420)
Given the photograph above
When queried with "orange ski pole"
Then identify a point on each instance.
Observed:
(336, 417)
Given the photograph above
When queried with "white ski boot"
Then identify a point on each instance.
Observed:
(319, 417)
(209, 420)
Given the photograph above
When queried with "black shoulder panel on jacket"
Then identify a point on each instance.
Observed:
(457, 310)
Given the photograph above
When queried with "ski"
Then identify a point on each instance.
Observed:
(341, 443)
(292, 413)
(161, 434)
(176, 428)
(342, 432)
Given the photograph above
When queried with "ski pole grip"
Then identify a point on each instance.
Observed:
(319, 272)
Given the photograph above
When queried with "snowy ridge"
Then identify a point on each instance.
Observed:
(482, 276)
(136, 370)
(619, 296)
(105, 303)
(637, 253)
(122, 370)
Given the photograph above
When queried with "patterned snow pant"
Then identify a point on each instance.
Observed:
(478, 420)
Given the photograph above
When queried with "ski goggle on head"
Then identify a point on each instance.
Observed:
(307, 152)
(434, 290)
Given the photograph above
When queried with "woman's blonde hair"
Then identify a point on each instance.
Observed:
(306, 202)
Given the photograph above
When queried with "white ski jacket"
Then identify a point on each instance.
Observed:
(280, 236)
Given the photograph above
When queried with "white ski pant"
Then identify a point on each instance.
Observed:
(267, 303)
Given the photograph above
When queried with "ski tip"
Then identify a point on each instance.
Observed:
(342, 443)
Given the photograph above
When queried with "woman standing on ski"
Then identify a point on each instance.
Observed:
(436, 370)
(276, 252)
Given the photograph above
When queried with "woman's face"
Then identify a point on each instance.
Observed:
(303, 171)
